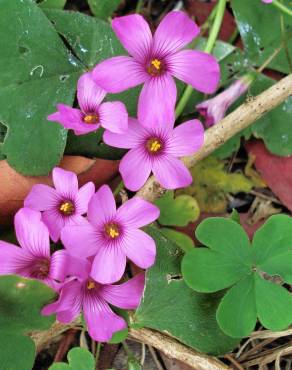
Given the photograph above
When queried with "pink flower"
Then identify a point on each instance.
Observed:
(63, 205)
(94, 299)
(154, 61)
(215, 108)
(112, 116)
(157, 149)
(267, 1)
(33, 259)
(112, 235)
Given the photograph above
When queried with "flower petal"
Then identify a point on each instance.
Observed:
(135, 35)
(80, 241)
(135, 159)
(66, 183)
(83, 197)
(126, 295)
(140, 248)
(199, 69)
(113, 116)
(89, 94)
(101, 321)
(130, 139)
(54, 222)
(41, 198)
(102, 206)
(137, 212)
(119, 73)
(69, 304)
(109, 264)
(174, 32)
(64, 265)
(157, 101)
(171, 173)
(32, 233)
(14, 260)
(187, 138)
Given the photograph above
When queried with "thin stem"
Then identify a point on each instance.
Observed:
(282, 7)
(208, 48)
(118, 188)
(139, 6)
(98, 348)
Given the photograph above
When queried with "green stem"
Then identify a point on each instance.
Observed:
(139, 6)
(97, 352)
(118, 188)
(208, 48)
(282, 7)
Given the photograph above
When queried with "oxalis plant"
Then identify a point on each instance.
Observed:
(109, 263)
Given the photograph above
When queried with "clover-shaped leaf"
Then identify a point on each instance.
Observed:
(254, 274)
(177, 211)
(78, 358)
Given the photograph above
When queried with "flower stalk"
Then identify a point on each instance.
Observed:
(208, 48)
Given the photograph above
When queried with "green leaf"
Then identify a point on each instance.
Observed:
(134, 364)
(166, 297)
(103, 8)
(273, 238)
(227, 237)
(21, 303)
(236, 312)
(280, 265)
(274, 304)
(234, 216)
(178, 211)
(16, 352)
(255, 21)
(182, 240)
(78, 358)
(36, 73)
(119, 336)
(208, 271)
(52, 4)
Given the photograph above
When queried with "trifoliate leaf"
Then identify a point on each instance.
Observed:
(78, 358)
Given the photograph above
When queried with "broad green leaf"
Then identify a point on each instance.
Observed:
(177, 211)
(273, 238)
(208, 271)
(182, 240)
(260, 29)
(119, 336)
(280, 265)
(37, 72)
(16, 352)
(21, 303)
(103, 8)
(236, 312)
(166, 297)
(273, 303)
(51, 4)
(227, 237)
(78, 358)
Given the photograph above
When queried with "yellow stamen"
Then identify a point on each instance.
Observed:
(67, 208)
(90, 285)
(91, 119)
(154, 145)
(156, 64)
(112, 230)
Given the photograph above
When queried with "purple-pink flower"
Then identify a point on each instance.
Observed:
(93, 113)
(154, 61)
(112, 235)
(33, 260)
(94, 299)
(157, 149)
(214, 109)
(267, 1)
(63, 205)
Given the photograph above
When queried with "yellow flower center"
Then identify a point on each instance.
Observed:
(112, 230)
(91, 119)
(67, 208)
(90, 285)
(154, 145)
(155, 67)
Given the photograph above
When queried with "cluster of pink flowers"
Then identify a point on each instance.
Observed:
(95, 251)
(97, 237)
